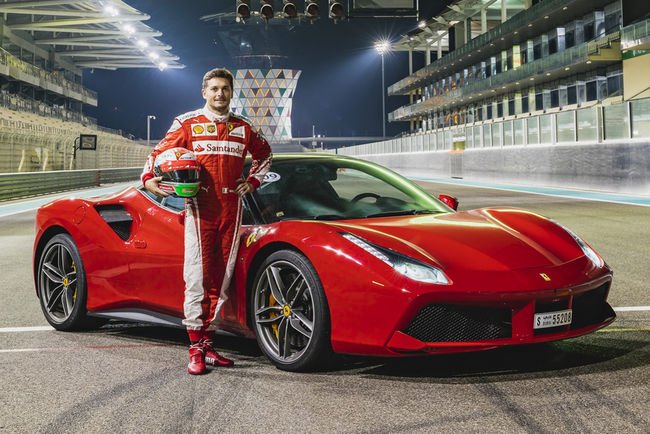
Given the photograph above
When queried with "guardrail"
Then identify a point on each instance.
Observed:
(19, 185)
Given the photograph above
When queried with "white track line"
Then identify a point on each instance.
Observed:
(632, 309)
(26, 329)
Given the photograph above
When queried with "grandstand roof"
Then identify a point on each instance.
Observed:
(104, 34)
(430, 32)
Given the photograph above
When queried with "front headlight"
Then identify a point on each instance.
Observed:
(409, 267)
(588, 251)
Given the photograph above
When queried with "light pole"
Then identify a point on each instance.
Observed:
(382, 48)
(149, 119)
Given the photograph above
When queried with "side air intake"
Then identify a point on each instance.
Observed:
(117, 218)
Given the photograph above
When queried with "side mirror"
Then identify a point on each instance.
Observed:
(450, 201)
(181, 217)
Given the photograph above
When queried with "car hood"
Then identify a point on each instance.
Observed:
(482, 239)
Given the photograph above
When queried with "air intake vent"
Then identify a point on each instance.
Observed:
(117, 218)
(450, 323)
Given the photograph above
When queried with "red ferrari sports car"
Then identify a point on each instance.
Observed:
(337, 255)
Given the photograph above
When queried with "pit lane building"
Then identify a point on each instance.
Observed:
(552, 92)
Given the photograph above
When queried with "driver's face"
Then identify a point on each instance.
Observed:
(217, 95)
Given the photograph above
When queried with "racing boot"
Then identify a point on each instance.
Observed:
(212, 357)
(196, 366)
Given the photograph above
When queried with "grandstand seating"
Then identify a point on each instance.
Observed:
(32, 142)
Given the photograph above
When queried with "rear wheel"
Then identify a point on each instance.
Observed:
(290, 314)
(61, 284)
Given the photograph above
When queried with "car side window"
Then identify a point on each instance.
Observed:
(174, 203)
(151, 196)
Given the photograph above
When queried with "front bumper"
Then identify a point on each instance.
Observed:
(448, 327)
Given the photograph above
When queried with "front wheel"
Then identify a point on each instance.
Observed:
(290, 314)
(62, 284)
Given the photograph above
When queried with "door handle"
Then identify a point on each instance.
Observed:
(139, 244)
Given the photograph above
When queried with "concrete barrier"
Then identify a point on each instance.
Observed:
(617, 167)
(18, 185)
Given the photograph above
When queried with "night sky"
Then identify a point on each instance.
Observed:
(339, 91)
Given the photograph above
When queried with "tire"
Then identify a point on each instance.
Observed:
(289, 313)
(61, 285)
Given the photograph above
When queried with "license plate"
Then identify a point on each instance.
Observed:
(552, 319)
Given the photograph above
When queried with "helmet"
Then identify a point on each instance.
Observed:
(179, 170)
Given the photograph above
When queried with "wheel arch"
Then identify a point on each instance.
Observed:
(46, 236)
(256, 263)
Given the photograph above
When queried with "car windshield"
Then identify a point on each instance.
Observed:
(336, 189)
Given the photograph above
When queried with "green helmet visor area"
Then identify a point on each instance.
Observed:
(181, 189)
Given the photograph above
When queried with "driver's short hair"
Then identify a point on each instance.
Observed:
(218, 73)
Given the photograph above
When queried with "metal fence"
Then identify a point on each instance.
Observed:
(596, 124)
(19, 185)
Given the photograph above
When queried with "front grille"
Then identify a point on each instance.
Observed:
(452, 323)
(591, 307)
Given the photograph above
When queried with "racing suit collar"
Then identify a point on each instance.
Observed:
(213, 116)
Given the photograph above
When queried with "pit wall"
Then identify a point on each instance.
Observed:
(619, 167)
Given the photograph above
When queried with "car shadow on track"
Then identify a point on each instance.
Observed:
(175, 337)
(600, 352)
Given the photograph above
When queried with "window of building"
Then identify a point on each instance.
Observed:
(487, 135)
(539, 101)
(524, 104)
(572, 95)
(592, 90)
(615, 84)
(555, 98)
(616, 122)
(533, 130)
(640, 118)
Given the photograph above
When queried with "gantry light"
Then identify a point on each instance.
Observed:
(266, 9)
(243, 9)
(311, 9)
(289, 9)
(336, 10)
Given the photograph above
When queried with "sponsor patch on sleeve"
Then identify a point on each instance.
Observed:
(240, 132)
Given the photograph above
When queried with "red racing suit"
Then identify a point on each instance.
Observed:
(213, 217)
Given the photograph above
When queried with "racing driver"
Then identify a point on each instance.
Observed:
(220, 141)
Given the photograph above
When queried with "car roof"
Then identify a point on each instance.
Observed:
(314, 156)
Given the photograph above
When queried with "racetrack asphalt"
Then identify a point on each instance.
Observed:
(130, 377)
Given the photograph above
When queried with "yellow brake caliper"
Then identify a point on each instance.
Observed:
(273, 302)
(74, 295)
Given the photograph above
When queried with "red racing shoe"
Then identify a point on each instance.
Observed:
(196, 366)
(212, 357)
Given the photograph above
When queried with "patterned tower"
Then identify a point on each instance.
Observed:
(265, 97)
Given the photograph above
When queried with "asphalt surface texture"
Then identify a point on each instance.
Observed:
(126, 378)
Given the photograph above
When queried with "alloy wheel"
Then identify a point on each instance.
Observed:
(284, 311)
(58, 282)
